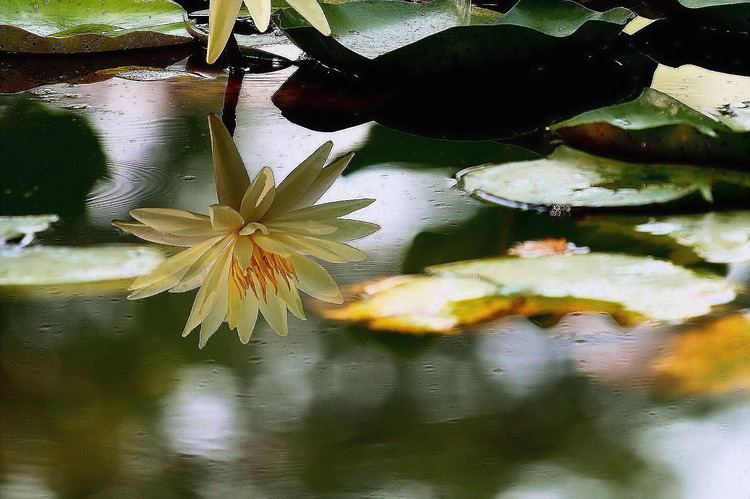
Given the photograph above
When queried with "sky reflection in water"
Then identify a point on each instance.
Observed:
(329, 411)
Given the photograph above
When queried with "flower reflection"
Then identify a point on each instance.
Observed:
(222, 14)
(248, 254)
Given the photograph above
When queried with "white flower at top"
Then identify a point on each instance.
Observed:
(249, 253)
(223, 13)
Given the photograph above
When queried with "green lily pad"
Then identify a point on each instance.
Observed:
(569, 178)
(715, 237)
(398, 37)
(80, 26)
(657, 127)
(24, 226)
(657, 289)
(47, 265)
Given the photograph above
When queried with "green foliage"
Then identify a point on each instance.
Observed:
(81, 26)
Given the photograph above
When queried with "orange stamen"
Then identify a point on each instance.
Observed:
(263, 269)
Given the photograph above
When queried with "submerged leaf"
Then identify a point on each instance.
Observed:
(656, 127)
(709, 359)
(45, 265)
(570, 178)
(80, 26)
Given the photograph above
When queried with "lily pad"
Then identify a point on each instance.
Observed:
(457, 295)
(654, 288)
(47, 265)
(709, 359)
(419, 304)
(24, 226)
(657, 127)
(81, 26)
(715, 237)
(409, 38)
(569, 178)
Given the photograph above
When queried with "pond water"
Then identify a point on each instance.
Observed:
(101, 397)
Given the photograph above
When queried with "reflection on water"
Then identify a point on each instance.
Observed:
(102, 398)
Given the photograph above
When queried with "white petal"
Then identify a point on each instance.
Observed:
(304, 227)
(315, 280)
(229, 171)
(298, 181)
(171, 220)
(275, 314)
(179, 263)
(323, 182)
(260, 11)
(201, 267)
(152, 235)
(326, 210)
(259, 196)
(271, 245)
(330, 251)
(225, 219)
(311, 11)
(221, 17)
(290, 296)
(243, 251)
(246, 324)
(208, 293)
(349, 230)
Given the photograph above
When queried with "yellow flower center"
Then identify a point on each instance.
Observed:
(264, 269)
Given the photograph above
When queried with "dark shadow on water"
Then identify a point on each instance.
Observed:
(50, 160)
(498, 103)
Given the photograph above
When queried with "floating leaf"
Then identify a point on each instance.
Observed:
(656, 127)
(709, 359)
(46, 265)
(79, 26)
(715, 237)
(571, 178)
(409, 38)
(418, 304)
(704, 90)
(654, 288)
(20, 72)
(24, 226)
(456, 295)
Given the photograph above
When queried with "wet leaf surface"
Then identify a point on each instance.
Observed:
(569, 179)
(410, 38)
(457, 295)
(709, 359)
(48, 265)
(83, 26)
(657, 127)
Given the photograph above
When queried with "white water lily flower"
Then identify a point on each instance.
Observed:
(248, 254)
(223, 13)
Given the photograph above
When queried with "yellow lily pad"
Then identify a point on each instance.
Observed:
(710, 359)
